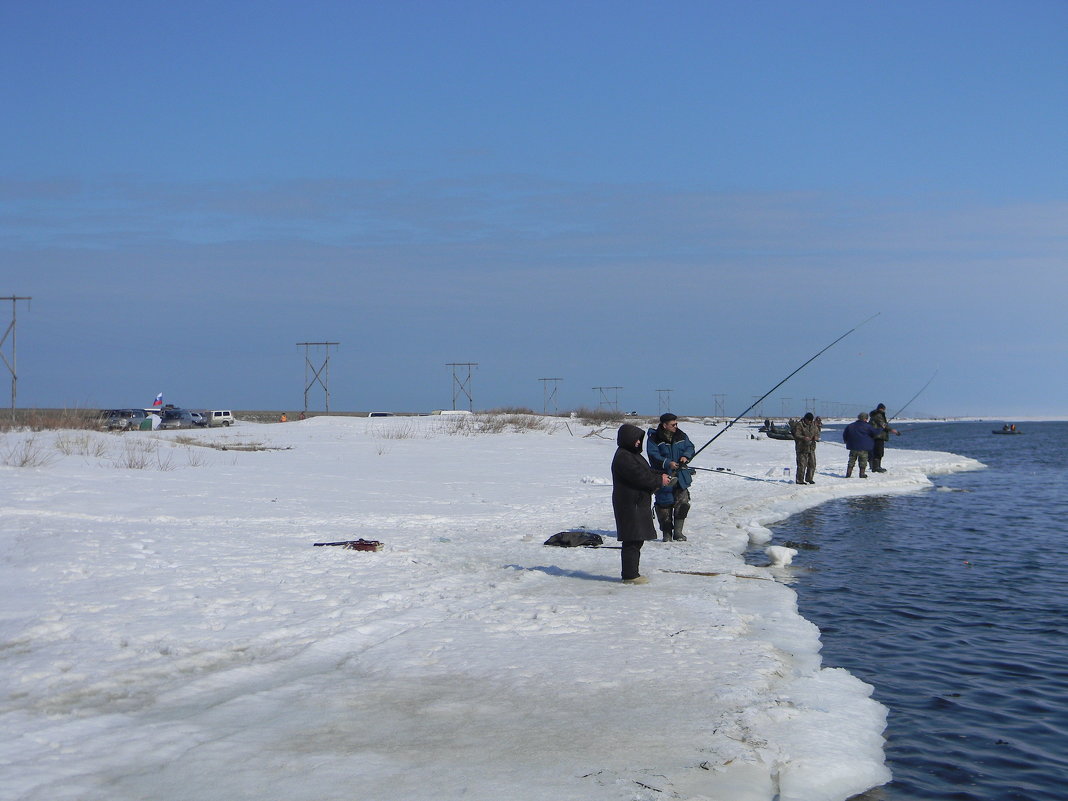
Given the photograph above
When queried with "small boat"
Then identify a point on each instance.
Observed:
(1007, 429)
(775, 432)
(778, 433)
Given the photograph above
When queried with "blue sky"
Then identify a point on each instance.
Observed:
(695, 196)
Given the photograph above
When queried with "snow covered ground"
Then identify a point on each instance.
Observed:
(169, 631)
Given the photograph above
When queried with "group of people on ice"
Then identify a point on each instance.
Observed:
(864, 438)
(665, 477)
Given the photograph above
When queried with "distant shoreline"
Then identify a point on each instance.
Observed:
(26, 416)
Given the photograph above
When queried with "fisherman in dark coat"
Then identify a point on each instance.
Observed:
(633, 485)
(878, 419)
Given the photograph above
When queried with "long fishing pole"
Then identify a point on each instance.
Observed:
(795, 372)
(902, 409)
(726, 471)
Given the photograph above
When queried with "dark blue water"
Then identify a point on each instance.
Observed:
(951, 603)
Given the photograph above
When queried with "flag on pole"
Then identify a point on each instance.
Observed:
(159, 400)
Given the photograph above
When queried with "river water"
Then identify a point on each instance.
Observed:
(951, 603)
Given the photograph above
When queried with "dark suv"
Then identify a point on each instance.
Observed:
(176, 418)
(123, 419)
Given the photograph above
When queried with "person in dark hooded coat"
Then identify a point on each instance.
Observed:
(633, 485)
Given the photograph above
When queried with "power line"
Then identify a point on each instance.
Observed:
(12, 364)
(319, 375)
(604, 400)
(663, 400)
(462, 386)
(549, 395)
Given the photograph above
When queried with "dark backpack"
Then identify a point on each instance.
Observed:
(575, 539)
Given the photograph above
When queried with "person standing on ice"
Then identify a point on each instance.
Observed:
(669, 449)
(878, 419)
(806, 435)
(633, 485)
(859, 438)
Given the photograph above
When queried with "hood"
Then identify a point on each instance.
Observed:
(629, 434)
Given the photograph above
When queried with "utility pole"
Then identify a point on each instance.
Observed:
(662, 404)
(719, 402)
(549, 395)
(462, 385)
(785, 404)
(604, 400)
(11, 365)
(320, 374)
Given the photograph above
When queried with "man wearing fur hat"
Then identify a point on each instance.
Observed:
(669, 449)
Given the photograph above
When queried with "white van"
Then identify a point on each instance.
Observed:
(220, 417)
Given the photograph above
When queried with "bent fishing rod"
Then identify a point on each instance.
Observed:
(899, 412)
(795, 372)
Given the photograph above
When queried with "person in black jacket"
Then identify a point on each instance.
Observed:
(633, 485)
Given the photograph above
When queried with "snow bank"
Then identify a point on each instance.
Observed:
(170, 632)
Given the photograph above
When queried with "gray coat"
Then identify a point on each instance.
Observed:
(633, 485)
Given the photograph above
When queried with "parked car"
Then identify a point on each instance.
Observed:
(199, 419)
(123, 419)
(176, 418)
(220, 417)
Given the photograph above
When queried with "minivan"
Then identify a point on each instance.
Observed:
(220, 417)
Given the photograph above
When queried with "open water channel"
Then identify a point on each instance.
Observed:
(951, 603)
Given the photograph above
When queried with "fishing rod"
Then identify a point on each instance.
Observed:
(726, 471)
(795, 372)
(902, 409)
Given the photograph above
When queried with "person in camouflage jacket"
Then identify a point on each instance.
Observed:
(806, 435)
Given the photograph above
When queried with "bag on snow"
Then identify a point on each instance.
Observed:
(575, 539)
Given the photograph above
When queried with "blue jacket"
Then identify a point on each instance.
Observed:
(661, 451)
(860, 436)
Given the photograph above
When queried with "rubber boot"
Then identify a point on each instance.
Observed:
(663, 517)
(849, 472)
(678, 530)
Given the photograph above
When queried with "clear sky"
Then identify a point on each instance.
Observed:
(694, 196)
